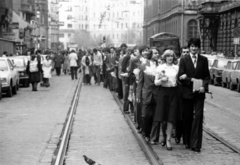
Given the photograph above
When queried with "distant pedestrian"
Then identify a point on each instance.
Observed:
(34, 71)
(46, 67)
(58, 63)
(86, 63)
(66, 64)
(73, 64)
(97, 65)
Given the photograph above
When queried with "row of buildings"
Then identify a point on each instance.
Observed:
(23, 25)
(216, 22)
(100, 22)
(56, 24)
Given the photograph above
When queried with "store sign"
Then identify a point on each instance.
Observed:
(9, 35)
(63, 0)
(236, 41)
(15, 25)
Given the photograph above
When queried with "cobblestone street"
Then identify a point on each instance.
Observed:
(101, 132)
(31, 122)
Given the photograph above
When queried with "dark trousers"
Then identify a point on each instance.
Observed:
(96, 74)
(87, 78)
(179, 124)
(148, 111)
(120, 90)
(193, 121)
(125, 98)
(155, 132)
(58, 70)
(74, 71)
(139, 115)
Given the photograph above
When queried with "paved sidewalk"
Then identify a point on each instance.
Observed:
(101, 132)
(31, 122)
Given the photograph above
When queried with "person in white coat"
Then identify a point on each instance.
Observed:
(46, 67)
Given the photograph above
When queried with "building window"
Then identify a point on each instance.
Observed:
(61, 35)
(69, 25)
(192, 29)
(69, 34)
(69, 17)
(69, 8)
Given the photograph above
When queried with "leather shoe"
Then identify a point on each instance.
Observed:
(147, 139)
(153, 143)
(177, 140)
(163, 143)
(187, 146)
(196, 149)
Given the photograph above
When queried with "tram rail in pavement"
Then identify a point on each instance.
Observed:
(59, 154)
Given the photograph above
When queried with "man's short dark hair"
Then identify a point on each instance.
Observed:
(143, 47)
(95, 50)
(194, 41)
(4, 52)
(123, 45)
(184, 47)
(73, 51)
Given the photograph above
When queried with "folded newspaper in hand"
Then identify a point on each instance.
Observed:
(197, 83)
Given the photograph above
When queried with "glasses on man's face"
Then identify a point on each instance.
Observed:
(186, 52)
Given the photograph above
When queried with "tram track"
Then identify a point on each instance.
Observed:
(59, 154)
(150, 153)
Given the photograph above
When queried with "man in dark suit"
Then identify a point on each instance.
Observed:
(193, 67)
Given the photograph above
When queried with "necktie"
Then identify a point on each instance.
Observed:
(194, 61)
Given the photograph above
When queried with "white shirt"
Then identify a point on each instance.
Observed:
(97, 59)
(171, 72)
(73, 59)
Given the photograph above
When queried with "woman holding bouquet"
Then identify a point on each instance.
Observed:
(167, 104)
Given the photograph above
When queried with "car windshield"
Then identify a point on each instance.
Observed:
(18, 62)
(221, 64)
(3, 65)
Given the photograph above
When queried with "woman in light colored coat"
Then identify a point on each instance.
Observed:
(46, 67)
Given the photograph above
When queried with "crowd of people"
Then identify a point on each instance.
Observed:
(163, 92)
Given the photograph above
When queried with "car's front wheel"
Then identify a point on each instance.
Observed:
(10, 92)
(231, 86)
(14, 89)
(238, 87)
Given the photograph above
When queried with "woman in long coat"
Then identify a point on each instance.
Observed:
(34, 71)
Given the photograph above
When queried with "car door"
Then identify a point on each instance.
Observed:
(235, 73)
(13, 72)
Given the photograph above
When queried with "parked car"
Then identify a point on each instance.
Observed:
(20, 63)
(210, 58)
(216, 70)
(9, 77)
(235, 78)
(227, 71)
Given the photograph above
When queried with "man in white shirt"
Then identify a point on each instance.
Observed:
(97, 64)
(73, 64)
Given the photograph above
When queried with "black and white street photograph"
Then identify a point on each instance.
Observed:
(119, 82)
